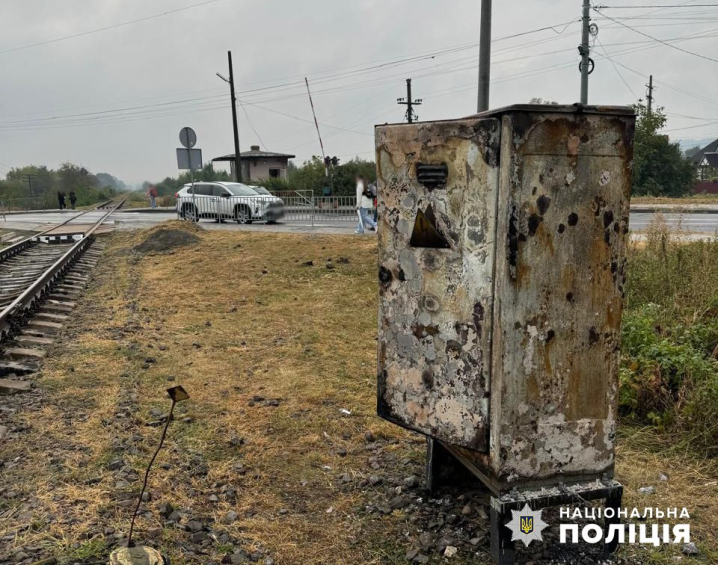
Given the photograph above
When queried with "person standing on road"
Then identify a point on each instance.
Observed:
(152, 193)
(61, 200)
(73, 199)
(364, 205)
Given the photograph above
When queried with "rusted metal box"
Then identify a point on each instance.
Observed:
(501, 249)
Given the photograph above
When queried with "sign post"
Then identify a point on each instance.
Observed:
(189, 158)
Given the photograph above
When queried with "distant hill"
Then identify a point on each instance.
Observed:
(690, 143)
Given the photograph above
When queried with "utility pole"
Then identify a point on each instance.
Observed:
(484, 56)
(650, 94)
(237, 155)
(584, 49)
(409, 103)
(30, 178)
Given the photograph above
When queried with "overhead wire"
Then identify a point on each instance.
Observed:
(106, 28)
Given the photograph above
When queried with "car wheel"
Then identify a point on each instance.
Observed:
(242, 214)
(189, 212)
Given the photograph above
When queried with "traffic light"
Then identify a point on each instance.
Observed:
(335, 161)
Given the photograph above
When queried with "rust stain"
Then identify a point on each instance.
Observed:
(512, 331)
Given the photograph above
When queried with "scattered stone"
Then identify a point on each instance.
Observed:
(3, 431)
(411, 482)
(230, 517)
(236, 441)
(166, 509)
(343, 261)
(213, 498)
(146, 497)
(150, 360)
(480, 538)
(194, 526)
(450, 551)
(308, 264)
(341, 452)
(174, 517)
(374, 480)
(399, 502)
(331, 266)
(268, 561)
(346, 478)
(663, 477)
(119, 485)
(8, 386)
(467, 510)
(238, 557)
(646, 490)
(198, 537)
(690, 549)
(368, 436)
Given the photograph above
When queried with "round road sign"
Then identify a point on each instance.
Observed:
(188, 138)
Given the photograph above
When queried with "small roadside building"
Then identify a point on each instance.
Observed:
(706, 164)
(706, 161)
(257, 164)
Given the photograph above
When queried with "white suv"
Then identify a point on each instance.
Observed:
(227, 200)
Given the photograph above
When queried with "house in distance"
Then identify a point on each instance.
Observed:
(258, 164)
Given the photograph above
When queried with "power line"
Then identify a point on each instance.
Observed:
(628, 86)
(106, 28)
(659, 40)
(251, 125)
(655, 6)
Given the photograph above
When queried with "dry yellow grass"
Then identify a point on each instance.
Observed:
(234, 317)
(684, 201)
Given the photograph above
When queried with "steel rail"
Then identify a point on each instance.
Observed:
(15, 248)
(37, 288)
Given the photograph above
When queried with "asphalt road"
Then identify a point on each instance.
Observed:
(699, 223)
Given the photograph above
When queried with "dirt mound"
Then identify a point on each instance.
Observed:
(168, 236)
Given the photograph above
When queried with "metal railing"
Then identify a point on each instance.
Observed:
(23, 204)
(287, 207)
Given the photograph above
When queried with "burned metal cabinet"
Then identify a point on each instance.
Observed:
(437, 209)
(501, 249)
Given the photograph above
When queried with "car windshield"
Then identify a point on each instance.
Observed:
(260, 190)
(239, 189)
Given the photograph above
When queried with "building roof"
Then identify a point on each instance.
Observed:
(710, 148)
(255, 153)
(711, 159)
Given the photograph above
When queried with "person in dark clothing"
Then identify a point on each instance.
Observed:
(61, 200)
(73, 199)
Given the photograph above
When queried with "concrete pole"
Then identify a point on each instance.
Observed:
(585, 51)
(484, 56)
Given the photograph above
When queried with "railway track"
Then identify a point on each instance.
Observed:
(39, 284)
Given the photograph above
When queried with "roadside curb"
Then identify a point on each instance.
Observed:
(652, 209)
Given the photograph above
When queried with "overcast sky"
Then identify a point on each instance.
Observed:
(115, 100)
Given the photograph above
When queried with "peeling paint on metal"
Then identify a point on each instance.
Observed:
(436, 359)
(507, 342)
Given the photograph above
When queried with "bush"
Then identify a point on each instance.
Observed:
(669, 372)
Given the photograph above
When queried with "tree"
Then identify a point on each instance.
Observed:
(170, 185)
(659, 166)
(46, 183)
